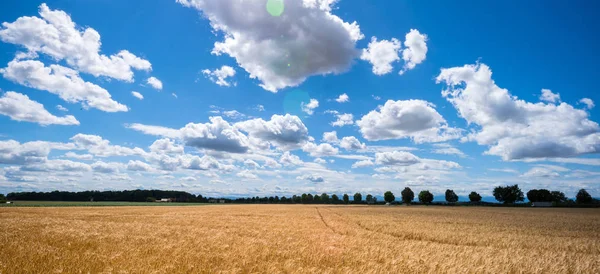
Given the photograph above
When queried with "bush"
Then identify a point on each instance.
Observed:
(150, 199)
(407, 195)
(583, 197)
(474, 197)
(425, 197)
(451, 197)
(508, 194)
(389, 197)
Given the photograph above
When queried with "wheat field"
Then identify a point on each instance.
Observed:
(299, 239)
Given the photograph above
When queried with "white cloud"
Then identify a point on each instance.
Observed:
(320, 161)
(548, 96)
(174, 95)
(219, 76)
(135, 165)
(271, 163)
(396, 158)
(56, 35)
(320, 150)
(166, 146)
(343, 98)
(61, 108)
(381, 54)
(312, 177)
(351, 143)
(447, 149)
(513, 128)
(588, 103)
(330, 137)
(217, 135)
(155, 130)
(234, 114)
(343, 119)
(250, 163)
(310, 107)
(541, 172)
(102, 167)
(375, 97)
(74, 155)
(363, 163)
(246, 174)
(155, 83)
(260, 108)
(505, 170)
(14, 153)
(61, 81)
(415, 50)
(57, 165)
(19, 107)
(137, 95)
(283, 56)
(288, 159)
(100, 147)
(283, 131)
(415, 119)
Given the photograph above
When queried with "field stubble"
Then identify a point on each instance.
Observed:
(299, 238)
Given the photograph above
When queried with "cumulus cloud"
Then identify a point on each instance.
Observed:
(540, 172)
(14, 153)
(447, 149)
(320, 150)
(415, 119)
(283, 131)
(343, 98)
(57, 165)
(166, 146)
(310, 107)
(513, 128)
(312, 177)
(589, 104)
(396, 158)
(137, 95)
(155, 130)
(548, 96)
(74, 155)
(288, 159)
(100, 147)
(282, 51)
(217, 135)
(155, 83)
(61, 81)
(351, 143)
(102, 167)
(219, 76)
(363, 163)
(330, 137)
(343, 119)
(19, 107)
(56, 35)
(135, 165)
(246, 174)
(415, 50)
(381, 54)
(61, 108)
(320, 161)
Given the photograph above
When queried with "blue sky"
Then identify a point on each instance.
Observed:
(428, 94)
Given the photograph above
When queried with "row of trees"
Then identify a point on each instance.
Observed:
(504, 194)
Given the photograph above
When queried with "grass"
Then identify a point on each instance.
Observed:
(71, 204)
(299, 238)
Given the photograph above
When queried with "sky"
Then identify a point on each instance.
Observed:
(281, 97)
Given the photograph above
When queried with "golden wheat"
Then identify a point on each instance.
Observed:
(299, 238)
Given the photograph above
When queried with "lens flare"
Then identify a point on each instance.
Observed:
(275, 7)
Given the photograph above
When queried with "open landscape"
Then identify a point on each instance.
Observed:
(299, 238)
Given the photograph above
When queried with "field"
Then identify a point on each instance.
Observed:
(299, 238)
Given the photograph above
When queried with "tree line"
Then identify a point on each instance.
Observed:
(504, 194)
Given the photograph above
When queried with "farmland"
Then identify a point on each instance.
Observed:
(299, 238)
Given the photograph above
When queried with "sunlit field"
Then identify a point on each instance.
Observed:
(299, 238)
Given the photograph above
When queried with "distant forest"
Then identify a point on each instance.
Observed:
(504, 194)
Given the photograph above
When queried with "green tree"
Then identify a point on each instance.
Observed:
(346, 198)
(474, 197)
(451, 197)
(309, 198)
(335, 199)
(508, 194)
(325, 198)
(317, 199)
(369, 198)
(425, 197)
(389, 197)
(2, 198)
(583, 197)
(148, 199)
(304, 198)
(539, 195)
(357, 197)
(407, 195)
(558, 197)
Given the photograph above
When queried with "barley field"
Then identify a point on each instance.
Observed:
(299, 239)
